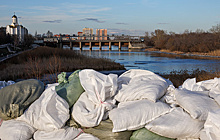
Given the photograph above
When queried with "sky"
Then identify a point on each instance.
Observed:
(129, 17)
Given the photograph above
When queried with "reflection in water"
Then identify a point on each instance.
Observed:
(154, 62)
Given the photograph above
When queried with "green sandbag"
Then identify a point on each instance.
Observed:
(144, 134)
(70, 89)
(104, 132)
(16, 98)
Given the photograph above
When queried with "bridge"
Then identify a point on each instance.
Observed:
(80, 41)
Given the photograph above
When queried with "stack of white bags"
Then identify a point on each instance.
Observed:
(135, 99)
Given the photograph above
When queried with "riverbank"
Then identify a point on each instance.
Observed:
(210, 55)
(46, 60)
(46, 63)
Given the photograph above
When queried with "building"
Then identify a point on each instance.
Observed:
(80, 34)
(16, 29)
(88, 33)
(101, 34)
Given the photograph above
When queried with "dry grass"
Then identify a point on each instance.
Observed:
(46, 60)
(212, 53)
(195, 55)
(178, 77)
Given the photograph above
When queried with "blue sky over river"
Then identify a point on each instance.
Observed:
(118, 16)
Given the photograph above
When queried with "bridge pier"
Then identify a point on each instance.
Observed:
(129, 45)
(100, 46)
(110, 46)
(119, 45)
(90, 45)
(80, 45)
(71, 45)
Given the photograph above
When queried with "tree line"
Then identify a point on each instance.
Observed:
(14, 40)
(198, 41)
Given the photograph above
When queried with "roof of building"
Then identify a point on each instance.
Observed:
(14, 16)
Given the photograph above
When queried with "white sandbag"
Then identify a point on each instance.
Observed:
(133, 115)
(187, 139)
(176, 124)
(4, 83)
(215, 91)
(215, 96)
(196, 104)
(211, 129)
(66, 133)
(190, 84)
(169, 97)
(93, 105)
(49, 112)
(1, 121)
(140, 84)
(85, 136)
(212, 87)
(207, 85)
(16, 130)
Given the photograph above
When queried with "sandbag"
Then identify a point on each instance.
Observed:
(144, 134)
(169, 97)
(140, 84)
(4, 83)
(93, 105)
(134, 115)
(190, 84)
(187, 139)
(70, 89)
(215, 90)
(48, 113)
(197, 105)
(16, 130)
(207, 85)
(104, 132)
(16, 98)
(211, 129)
(176, 124)
(66, 133)
(1, 121)
(85, 136)
(216, 96)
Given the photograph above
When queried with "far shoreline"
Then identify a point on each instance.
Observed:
(194, 55)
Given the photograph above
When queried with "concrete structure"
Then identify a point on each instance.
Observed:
(131, 42)
(16, 29)
(88, 33)
(101, 34)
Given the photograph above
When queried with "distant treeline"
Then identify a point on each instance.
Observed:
(198, 41)
(14, 39)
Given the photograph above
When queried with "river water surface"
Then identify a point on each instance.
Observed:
(153, 61)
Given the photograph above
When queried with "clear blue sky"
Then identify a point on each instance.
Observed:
(130, 17)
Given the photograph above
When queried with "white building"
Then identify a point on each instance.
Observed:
(88, 32)
(16, 29)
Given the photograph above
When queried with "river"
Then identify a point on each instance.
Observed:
(153, 61)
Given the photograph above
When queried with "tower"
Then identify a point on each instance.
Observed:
(14, 20)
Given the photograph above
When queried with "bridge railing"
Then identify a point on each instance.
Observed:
(95, 38)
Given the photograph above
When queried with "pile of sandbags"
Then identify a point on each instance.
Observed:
(45, 118)
(138, 104)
